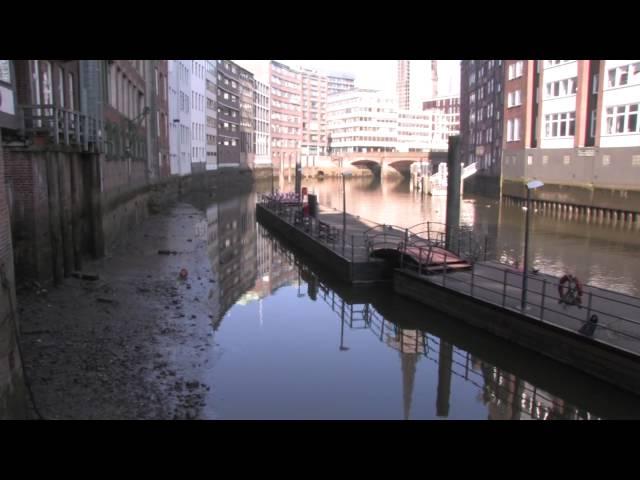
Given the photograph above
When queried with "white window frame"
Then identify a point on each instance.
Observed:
(615, 112)
(558, 120)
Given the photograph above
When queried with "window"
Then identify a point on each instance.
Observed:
(560, 124)
(529, 159)
(592, 124)
(623, 75)
(545, 159)
(622, 119)
(70, 89)
(561, 88)
(594, 88)
(61, 87)
(513, 130)
(553, 63)
(514, 99)
(515, 70)
(566, 159)
(635, 160)
(606, 160)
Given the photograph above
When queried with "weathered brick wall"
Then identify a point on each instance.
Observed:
(25, 174)
(12, 397)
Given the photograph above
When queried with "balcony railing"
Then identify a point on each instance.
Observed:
(63, 127)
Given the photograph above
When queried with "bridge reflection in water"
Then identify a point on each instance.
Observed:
(461, 353)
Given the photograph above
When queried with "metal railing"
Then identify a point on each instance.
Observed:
(501, 285)
(66, 127)
(351, 247)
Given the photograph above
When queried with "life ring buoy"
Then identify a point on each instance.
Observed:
(570, 290)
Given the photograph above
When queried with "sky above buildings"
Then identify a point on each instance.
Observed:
(378, 74)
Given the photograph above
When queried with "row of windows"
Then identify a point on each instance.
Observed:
(228, 66)
(232, 127)
(197, 101)
(513, 130)
(226, 81)
(622, 119)
(197, 131)
(227, 96)
(228, 112)
(624, 75)
(561, 88)
(515, 70)
(552, 63)
(560, 125)
(285, 130)
(363, 139)
(124, 95)
(198, 69)
(284, 143)
(514, 99)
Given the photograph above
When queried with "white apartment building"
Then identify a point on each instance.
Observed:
(261, 127)
(620, 104)
(198, 114)
(211, 116)
(180, 116)
(414, 131)
(362, 120)
(558, 101)
(444, 112)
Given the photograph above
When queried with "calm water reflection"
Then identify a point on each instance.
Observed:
(293, 343)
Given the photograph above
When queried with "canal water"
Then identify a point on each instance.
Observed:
(294, 343)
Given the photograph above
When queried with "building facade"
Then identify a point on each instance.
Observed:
(314, 139)
(161, 73)
(339, 82)
(414, 83)
(211, 115)
(286, 117)
(247, 145)
(574, 125)
(481, 119)
(361, 120)
(261, 126)
(198, 115)
(180, 116)
(415, 131)
(444, 113)
(228, 76)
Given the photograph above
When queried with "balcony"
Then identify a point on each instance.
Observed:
(62, 127)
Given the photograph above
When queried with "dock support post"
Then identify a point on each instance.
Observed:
(544, 294)
(454, 173)
(504, 290)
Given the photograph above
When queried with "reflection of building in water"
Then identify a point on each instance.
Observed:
(236, 259)
(410, 345)
(275, 267)
(511, 398)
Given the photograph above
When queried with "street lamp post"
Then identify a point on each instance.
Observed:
(532, 185)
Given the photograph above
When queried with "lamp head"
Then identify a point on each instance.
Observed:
(533, 184)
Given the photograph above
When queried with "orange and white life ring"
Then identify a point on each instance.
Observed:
(570, 290)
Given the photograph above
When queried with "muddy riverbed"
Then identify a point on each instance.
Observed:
(133, 344)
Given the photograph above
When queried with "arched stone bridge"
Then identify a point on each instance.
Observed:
(386, 162)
